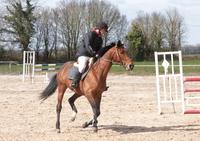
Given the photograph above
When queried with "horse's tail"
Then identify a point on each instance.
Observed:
(50, 89)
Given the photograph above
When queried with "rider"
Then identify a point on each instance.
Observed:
(91, 44)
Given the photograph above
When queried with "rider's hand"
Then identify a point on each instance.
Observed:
(97, 56)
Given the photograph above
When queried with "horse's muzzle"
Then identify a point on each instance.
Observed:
(130, 67)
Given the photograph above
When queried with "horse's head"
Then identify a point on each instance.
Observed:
(119, 55)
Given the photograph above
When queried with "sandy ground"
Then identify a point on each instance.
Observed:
(128, 112)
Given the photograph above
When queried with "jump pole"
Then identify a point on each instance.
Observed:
(188, 97)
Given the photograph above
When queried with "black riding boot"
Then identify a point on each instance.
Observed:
(76, 80)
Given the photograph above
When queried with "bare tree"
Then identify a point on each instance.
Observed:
(104, 11)
(174, 29)
(46, 29)
(160, 31)
(121, 28)
(145, 23)
(46, 36)
(71, 20)
(157, 30)
(64, 26)
(55, 17)
(37, 38)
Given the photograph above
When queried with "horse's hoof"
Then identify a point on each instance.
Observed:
(73, 119)
(85, 125)
(95, 129)
(58, 130)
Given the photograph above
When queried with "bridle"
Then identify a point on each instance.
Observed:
(111, 61)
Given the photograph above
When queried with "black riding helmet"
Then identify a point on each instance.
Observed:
(102, 25)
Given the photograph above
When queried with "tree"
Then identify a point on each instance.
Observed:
(20, 21)
(174, 29)
(45, 40)
(159, 32)
(63, 27)
(104, 11)
(71, 25)
(135, 42)
(37, 38)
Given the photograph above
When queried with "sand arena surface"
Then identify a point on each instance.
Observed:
(128, 113)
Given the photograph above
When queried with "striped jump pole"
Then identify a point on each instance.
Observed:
(46, 68)
(189, 79)
(192, 94)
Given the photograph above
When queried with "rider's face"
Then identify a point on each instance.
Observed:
(103, 31)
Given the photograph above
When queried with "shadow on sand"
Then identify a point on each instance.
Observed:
(124, 129)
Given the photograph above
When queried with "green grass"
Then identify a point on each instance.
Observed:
(10, 69)
(116, 69)
(150, 70)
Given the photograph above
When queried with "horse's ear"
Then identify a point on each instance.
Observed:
(119, 43)
(112, 44)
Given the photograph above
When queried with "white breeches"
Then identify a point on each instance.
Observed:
(82, 63)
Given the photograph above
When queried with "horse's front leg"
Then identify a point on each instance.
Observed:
(95, 104)
(86, 124)
(94, 121)
(96, 111)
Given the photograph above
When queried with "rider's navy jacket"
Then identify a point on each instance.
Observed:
(91, 44)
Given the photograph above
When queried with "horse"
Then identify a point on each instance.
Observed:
(92, 86)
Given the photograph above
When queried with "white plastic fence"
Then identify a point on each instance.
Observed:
(28, 65)
(169, 79)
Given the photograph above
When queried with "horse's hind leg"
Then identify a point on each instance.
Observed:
(61, 91)
(71, 101)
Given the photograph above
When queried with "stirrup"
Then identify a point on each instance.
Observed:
(74, 84)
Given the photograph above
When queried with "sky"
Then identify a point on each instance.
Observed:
(189, 9)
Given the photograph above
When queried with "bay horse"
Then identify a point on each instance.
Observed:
(92, 86)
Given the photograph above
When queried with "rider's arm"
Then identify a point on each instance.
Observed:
(88, 41)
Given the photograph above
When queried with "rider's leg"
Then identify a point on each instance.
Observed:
(82, 62)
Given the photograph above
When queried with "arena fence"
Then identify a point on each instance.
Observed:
(28, 65)
(30, 69)
(170, 83)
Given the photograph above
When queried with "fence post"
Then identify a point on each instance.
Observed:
(28, 65)
(168, 90)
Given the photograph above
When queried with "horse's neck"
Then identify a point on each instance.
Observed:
(105, 66)
(102, 67)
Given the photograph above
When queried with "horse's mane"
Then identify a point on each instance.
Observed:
(103, 50)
